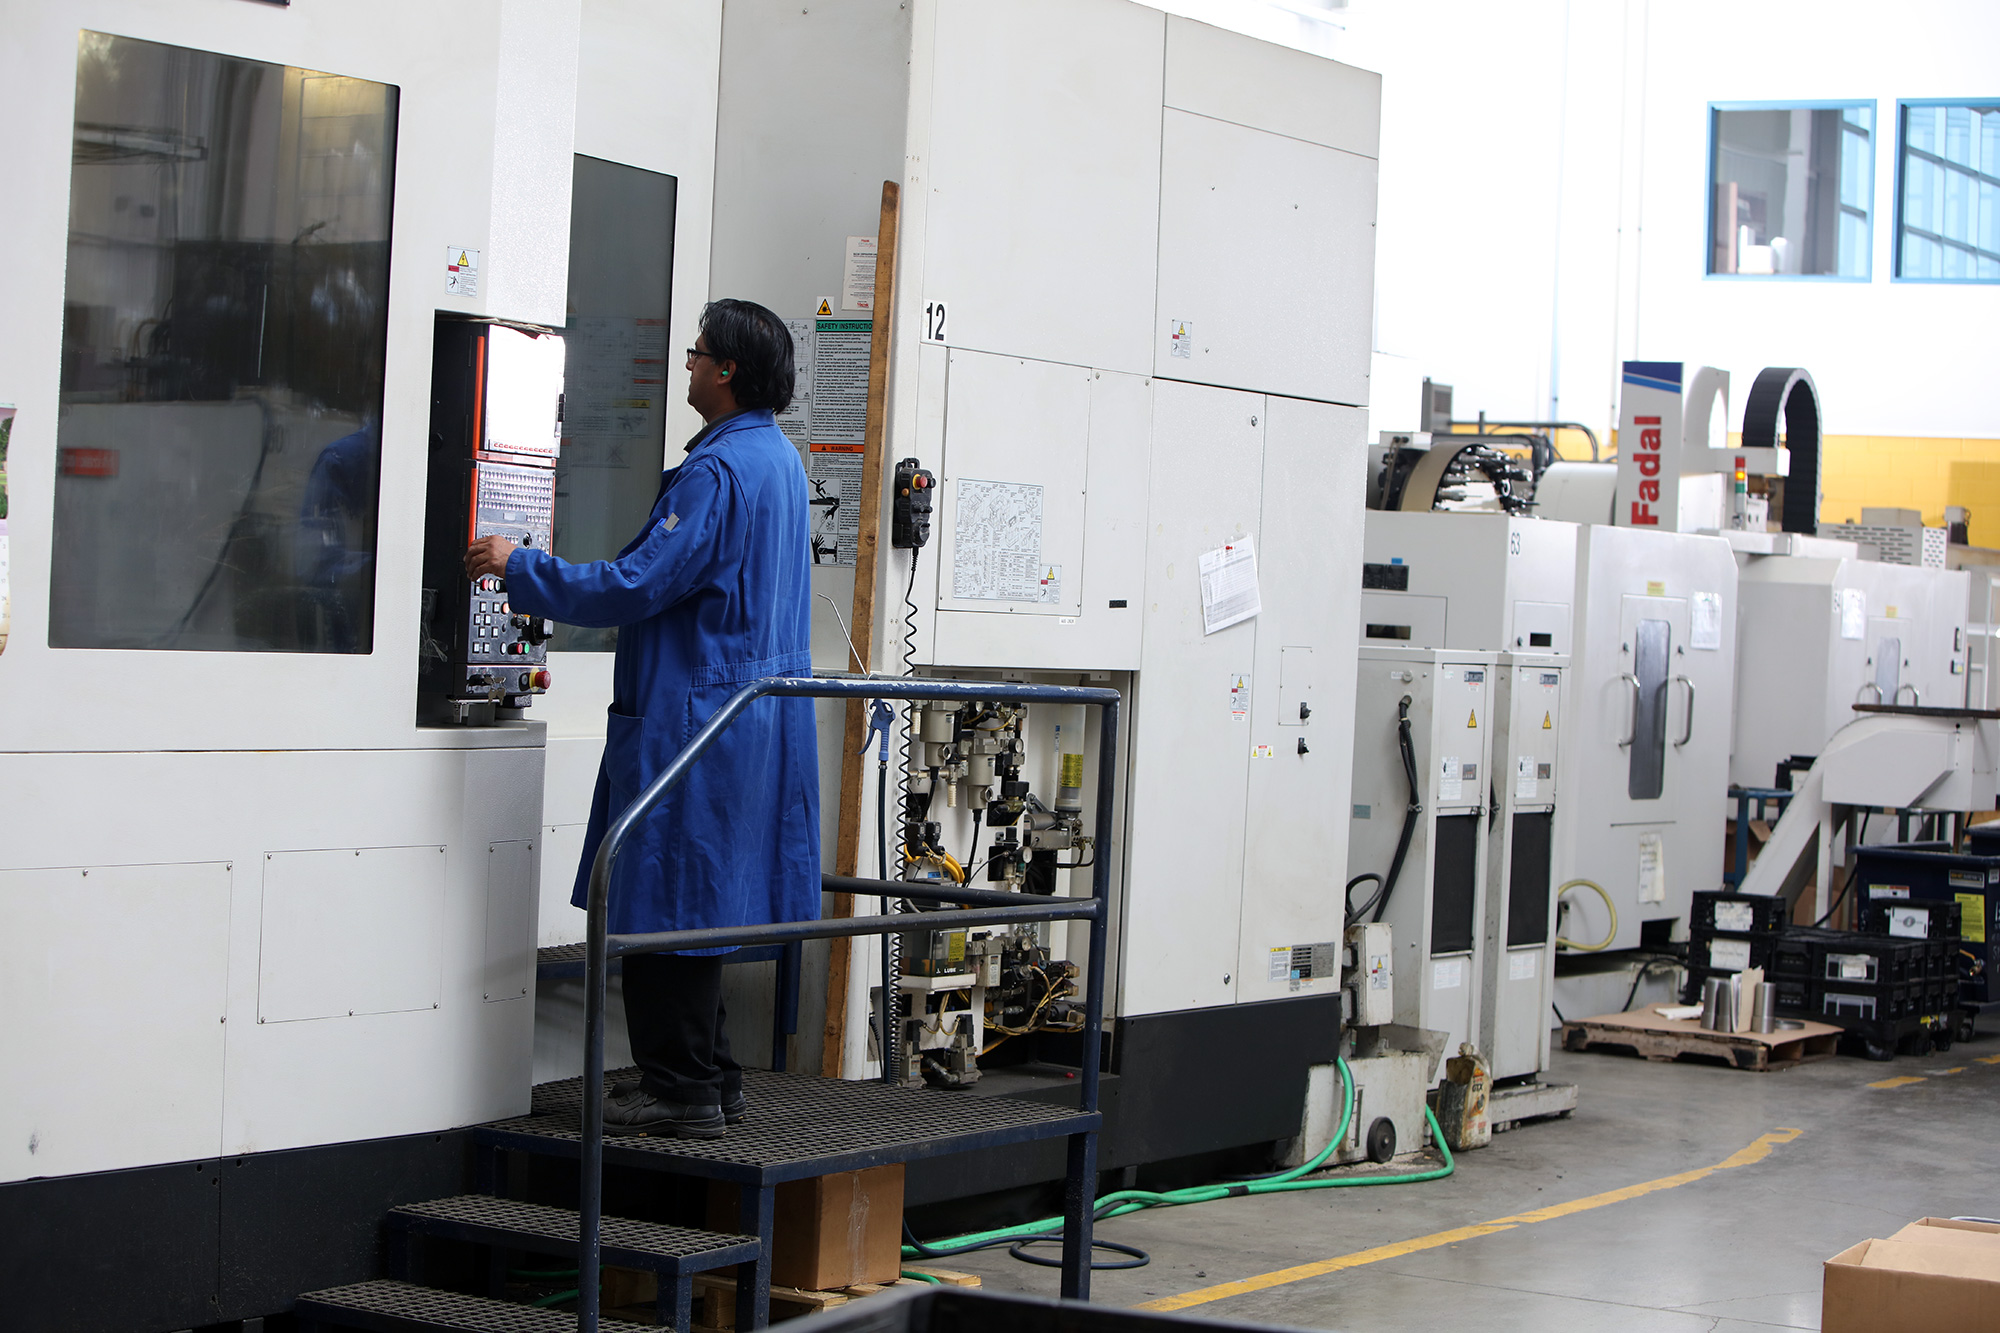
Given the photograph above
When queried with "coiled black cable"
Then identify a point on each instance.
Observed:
(1380, 902)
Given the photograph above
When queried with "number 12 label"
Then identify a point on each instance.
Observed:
(934, 322)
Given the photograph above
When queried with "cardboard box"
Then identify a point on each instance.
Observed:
(1934, 1273)
(831, 1231)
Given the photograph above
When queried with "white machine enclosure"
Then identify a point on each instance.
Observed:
(245, 904)
(1459, 580)
(1436, 904)
(1504, 584)
(1517, 978)
(1645, 757)
(1172, 421)
(1820, 632)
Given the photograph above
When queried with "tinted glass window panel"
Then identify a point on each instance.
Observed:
(617, 370)
(1949, 227)
(1789, 191)
(224, 324)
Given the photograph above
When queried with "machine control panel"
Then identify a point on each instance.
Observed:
(492, 473)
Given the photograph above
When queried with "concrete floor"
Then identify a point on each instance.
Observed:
(1737, 1250)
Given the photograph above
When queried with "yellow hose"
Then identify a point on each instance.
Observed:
(1609, 906)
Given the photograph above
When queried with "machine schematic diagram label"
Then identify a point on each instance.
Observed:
(796, 420)
(997, 551)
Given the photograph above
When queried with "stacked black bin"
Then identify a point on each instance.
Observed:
(1889, 993)
(1931, 876)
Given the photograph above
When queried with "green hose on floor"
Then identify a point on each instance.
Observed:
(1121, 1202)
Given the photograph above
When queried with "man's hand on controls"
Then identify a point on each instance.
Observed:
(488, 555)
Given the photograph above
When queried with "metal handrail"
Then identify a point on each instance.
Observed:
(600, 946)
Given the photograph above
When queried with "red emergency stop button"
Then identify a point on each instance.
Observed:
(542, 679)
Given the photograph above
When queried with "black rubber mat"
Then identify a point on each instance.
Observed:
(797, 1121)
(559, 1224)
(398, 1306)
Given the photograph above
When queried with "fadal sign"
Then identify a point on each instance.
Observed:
(1669, 446)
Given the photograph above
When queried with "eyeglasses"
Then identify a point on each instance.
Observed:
(694, 352)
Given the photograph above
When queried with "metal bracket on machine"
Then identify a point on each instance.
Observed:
(1943, 760)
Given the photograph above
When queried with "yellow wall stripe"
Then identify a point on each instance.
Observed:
(1748, 1155)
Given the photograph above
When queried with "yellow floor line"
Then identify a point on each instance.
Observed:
(1987, 1059)
(1900, 1081)
(1955, 1069)
(1748, 1155)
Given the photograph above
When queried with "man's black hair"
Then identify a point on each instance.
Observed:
(760, 345)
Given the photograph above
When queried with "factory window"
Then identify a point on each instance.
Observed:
(1790, 189)
(615, 380)
(224, 328)
(1948, 192)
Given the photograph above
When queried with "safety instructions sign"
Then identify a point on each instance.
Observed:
(834, 472)
(840, 380)
(461, 271)
(829, 421)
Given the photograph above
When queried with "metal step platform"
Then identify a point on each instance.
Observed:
(675, 1254)
(799, 1127)
(388, 1306)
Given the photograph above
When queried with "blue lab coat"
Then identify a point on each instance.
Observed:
(715, 592)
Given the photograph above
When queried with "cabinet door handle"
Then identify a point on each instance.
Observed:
(1632, 723)
(1687, 727)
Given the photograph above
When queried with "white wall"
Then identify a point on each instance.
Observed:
(1544, 199)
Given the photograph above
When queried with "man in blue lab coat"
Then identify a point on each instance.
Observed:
(715, 592)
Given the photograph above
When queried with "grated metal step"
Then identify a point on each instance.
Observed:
(801, 1126)
(399, 1307)
(484, 1220)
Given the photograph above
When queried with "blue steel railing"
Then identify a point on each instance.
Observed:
(1004, 909)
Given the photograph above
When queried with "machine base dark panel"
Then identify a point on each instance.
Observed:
(170, 1247)
(1180, 1085)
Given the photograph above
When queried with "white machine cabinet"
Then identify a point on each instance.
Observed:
(1134, 397)
(1457, 580)
(1646, 755)
(1518, 976)
(1437, 900)
(1505, 584)
(1821, 631)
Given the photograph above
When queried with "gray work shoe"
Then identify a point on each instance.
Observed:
(643, 1113)
(735, 1110)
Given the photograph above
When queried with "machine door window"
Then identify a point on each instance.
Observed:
(1888, 669)
(225, 320)
(1652, 643)
(615, 378)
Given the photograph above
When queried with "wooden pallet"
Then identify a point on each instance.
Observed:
(1643, 1032)
(715, 1296)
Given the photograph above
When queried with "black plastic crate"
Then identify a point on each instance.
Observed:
(1930, 873)
(1735, 913)
(1881, 1021)
(1905, 918)
(1846, 1002)
(1730, 951)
